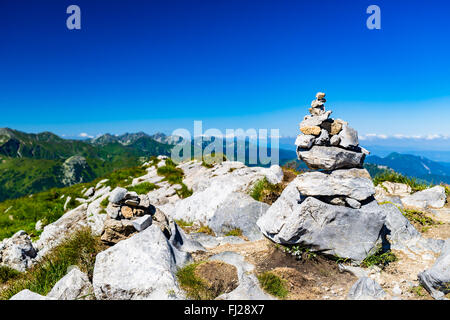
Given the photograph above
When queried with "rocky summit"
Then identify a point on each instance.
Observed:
(226, 231)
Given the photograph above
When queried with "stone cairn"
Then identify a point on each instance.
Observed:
(331, 209)
(128, 213)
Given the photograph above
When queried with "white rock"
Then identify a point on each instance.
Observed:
(353, 183)
(142, 223)
(429, 198)
(396, 290)
(74, 285)
(117, 195)
(89, 192)
(304, 141)
(349, 137)
(397, 189)
(337, 230)
(29, 295)
(18, 251)
(366, 289)
(141, 267)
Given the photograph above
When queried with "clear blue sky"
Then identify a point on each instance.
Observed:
(160, 65)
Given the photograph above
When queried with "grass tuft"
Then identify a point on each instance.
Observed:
(207, 230)
(273, 284)
(380, 258)
(395, 177)
(143, 188)
(235, 232)
(266, 192)
(195, 287)
(7, 273)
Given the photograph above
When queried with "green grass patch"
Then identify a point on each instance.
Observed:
(418, 291)
(7, 273)
(207, 230)
(273, 284)
(395, 177)
(174, 175)
(104, 202)
(182, 223)
(194, 287)
(143, 188)
(380, 258)
(235, 232)
(418, 218)
(80, 249)
(266, 192)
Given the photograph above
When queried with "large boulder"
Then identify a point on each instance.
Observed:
(238, 211)
(56, 232)
(401, 235)
(335, 230)
(17, 252)
(430, 198)
(353, 183)
(331, 158)
(366, 289)
(436, 280)
(141, 267)
(74, 285)
(223, 206)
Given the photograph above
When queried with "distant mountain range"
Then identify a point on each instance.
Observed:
(414, 166)
(31, 163)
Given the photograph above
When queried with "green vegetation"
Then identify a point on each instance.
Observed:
(273, 284)
(300, 252)
(80, 249)
(195, 287)
(185, 225)
(419, 218)
(392, 176)
(143, 188)
(7, 273)
(104, 202)
(207, 230)
(235, 232)
(380, 258)
(418, 291)
(174, 175)
(266, 192)
(124, 177)
(23, 213)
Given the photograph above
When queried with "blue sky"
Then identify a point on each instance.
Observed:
(159, 65)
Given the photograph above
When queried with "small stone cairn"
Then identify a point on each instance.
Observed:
(129, 213)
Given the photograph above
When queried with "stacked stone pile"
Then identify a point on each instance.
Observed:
(129, 213)
(326, 143)
(332, 210)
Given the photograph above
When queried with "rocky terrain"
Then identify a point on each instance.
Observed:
(328, 233)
